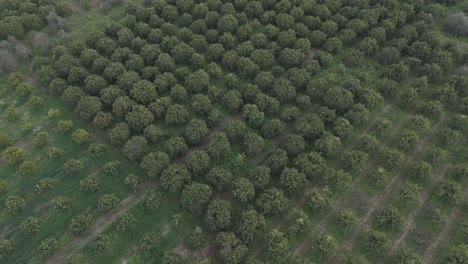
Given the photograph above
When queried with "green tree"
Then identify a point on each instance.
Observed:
(155, 163)
(325, 245)
(312, 164)
(196, 131)
(175, 177)
(90, 184)
(338, 179)
(272, 201)
(310, 126)
(99, 243)
(198, 162)
(318, 199)
(14, 203)
(80, 223)
(251, 225)
(73, 167)
(219, 146)
(458, 254)
(278, 247)
(5, 247)
(195, 239)
(292, 180)
(47, 247)
(176, 146)
(231, 250)
(119, 134)
(260, 176)
(195, 197)
(176, 115)
(219, 177)
(13, 154)
(152, 200)
(243, 190)
(88, 107)
(144, 92)
(29, 167)
(107, 202)
(132, 182)
(126, 222)
(393, 159)
(135, 148)
(139, 118)
(389, 218)
(376, 241)
(80, 136)
(218, 215)
(450, 191)
(31, 226)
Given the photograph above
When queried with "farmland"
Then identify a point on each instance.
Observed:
(233, 131)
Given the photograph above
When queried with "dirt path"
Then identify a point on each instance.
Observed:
(443, 234)
(368, 219)
(301, 202)
(99, 225)
(408, 225)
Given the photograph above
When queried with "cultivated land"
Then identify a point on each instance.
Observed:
(180, 131)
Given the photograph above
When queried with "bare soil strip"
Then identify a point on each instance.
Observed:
(443, 234)
(368, 219)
